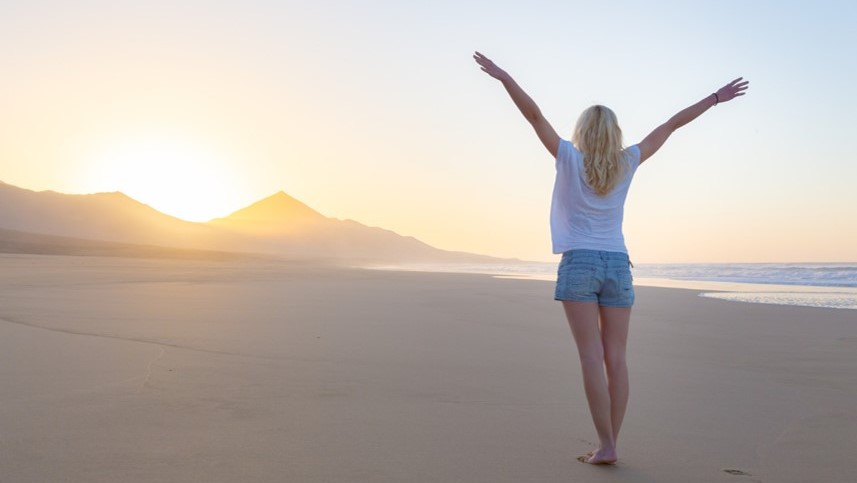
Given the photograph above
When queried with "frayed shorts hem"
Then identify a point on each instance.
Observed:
(595, 301)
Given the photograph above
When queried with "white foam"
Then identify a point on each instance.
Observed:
(811, 285)
(804, 299)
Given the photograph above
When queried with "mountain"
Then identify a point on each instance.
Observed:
(100, 216)
(278, 214)
(278, 225)
(282, 224)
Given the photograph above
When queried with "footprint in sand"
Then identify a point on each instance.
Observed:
(582, 458)
(741, 473)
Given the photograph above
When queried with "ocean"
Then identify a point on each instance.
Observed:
(832, 285)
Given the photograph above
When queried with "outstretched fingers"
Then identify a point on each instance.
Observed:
(488, 66)
(483, 61)
(739, 87)
(733, 89)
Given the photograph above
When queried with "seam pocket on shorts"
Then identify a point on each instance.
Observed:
(580, 279)
(626, 280)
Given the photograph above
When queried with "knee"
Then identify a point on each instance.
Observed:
(593, 357)
(616, 363)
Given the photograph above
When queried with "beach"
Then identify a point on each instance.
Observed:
(139, 370)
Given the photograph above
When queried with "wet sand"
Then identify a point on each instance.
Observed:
(143, 370)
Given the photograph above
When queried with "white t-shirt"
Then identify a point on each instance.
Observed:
(581, 219)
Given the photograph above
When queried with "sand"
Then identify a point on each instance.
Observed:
(189, 371)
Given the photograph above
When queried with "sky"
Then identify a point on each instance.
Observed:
(375, 111)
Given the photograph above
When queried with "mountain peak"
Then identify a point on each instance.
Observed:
(277, 211)
(279, 196)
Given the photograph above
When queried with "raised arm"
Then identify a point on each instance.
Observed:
(546, 133)
(659, 136)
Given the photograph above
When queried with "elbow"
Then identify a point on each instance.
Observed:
(534, 116)
(673, 124)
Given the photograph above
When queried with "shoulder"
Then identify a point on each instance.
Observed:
(566, 153)
(566, 150)
(633, 155)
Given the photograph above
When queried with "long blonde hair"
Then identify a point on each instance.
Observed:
(598, 137)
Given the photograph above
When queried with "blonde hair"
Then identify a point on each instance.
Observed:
(598, 137)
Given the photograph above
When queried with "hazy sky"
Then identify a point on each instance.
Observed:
(375, 111)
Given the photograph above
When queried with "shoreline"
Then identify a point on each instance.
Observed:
(820, 296)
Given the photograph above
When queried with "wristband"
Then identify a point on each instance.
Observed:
(716, 99)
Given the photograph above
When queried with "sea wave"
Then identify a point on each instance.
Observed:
(831, 285)
(809, 274)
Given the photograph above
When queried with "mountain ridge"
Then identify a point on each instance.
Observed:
(277, 225)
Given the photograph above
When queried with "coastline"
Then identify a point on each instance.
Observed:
(139, 370)
(835, 295)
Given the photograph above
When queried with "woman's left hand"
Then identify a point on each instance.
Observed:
(732, 90)
(490, 67)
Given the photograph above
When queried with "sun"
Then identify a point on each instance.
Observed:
(176, 176)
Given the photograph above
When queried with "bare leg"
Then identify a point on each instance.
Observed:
(614, 336)
(583, 320)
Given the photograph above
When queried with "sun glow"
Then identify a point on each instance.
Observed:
(174, 176)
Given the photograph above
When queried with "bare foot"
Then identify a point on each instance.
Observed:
(599, 457)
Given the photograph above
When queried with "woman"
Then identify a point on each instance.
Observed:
(594, 172)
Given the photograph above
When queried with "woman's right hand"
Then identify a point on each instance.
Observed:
(732, 90)
(489, 67)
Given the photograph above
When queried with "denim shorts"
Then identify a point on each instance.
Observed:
(595, 276)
